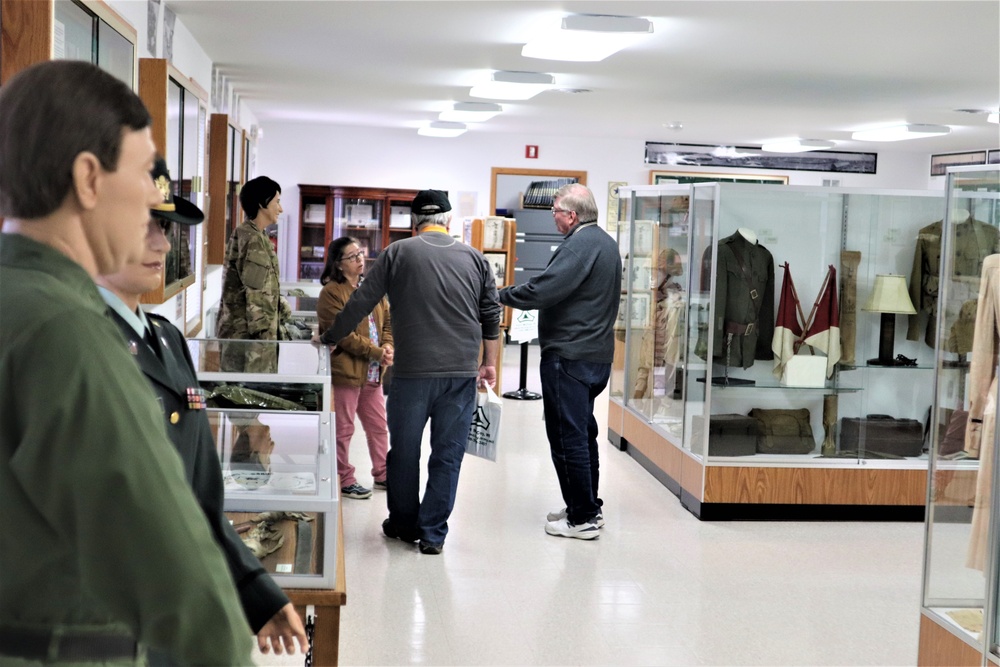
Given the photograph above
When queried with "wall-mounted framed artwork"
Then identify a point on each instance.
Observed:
(750, 157)
(657, 177)
(940, 163)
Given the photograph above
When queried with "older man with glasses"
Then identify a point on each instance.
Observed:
(577, 301)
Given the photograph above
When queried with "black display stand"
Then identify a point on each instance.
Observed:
(522, 393)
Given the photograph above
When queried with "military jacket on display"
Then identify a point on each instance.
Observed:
(104, 534)
(973, 242)
(744, 302)
(252, 306)
(170, 372)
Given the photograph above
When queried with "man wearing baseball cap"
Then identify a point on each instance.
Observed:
(162, 354)
(444, 309)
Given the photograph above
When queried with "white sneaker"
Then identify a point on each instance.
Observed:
(561, 514)
(563, 528)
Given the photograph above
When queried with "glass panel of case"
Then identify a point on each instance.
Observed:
(286, 375)
(960, 561)
(361, 219)
(654, 303)
(115, 53)
(278, 474)
(74, 32)
(811, 230)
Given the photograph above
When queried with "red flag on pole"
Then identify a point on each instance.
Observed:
(787, 330)
(823, 332)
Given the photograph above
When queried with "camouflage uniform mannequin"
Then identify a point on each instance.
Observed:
(252, 306)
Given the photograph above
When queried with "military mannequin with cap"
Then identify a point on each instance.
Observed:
(159, 349)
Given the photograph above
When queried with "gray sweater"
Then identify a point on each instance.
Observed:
(443, 301)
(576, 296)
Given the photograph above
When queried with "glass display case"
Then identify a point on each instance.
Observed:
(280, 493)
(959, 623)
(832, 411)
(91, 32)
(288, 375)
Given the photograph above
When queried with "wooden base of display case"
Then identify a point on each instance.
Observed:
(940, 647)
(745, 492)
(327, 604)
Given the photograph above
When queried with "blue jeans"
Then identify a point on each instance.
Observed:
(449, 403)
(569, 388)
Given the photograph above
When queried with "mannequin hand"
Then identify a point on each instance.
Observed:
(281, 632)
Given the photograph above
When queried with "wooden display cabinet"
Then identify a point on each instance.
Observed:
(227, 162)
(179, 108)
(375, 216)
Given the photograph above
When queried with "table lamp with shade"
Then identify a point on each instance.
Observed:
(890, 297)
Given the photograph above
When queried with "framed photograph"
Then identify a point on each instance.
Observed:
(642, 243)
(498, 260)
(940, 163)
(642, 273)
(657, 177)
(751, 157)
(493, 233)
(613, 205)
(993, 156)
(639, 315)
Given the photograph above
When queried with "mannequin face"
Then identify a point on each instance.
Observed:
(268, 215)
(145, 273)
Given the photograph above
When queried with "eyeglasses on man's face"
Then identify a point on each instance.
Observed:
(560, 210)
(352, 258)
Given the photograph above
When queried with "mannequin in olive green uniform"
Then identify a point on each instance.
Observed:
(104, 542)
(973, 242)
(252, 306)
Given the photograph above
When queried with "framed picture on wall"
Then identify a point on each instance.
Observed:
(657, 177)
(940, 163)
(498, 261)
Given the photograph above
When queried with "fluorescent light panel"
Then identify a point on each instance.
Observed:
(994, 117)
(470, 112)
(513, 86)
(796, 146)
(588, 38)
(442, 129)
(901, 132)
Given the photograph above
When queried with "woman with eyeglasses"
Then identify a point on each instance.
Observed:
(357, 365)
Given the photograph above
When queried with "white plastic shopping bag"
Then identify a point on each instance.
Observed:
(484, 433)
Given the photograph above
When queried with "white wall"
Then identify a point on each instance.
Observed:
(294, 153)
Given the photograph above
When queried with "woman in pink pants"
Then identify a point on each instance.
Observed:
(356, 366)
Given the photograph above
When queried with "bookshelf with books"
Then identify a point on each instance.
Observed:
(374, 216)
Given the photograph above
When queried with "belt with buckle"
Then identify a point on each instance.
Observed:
(45, 646)
(738, 329)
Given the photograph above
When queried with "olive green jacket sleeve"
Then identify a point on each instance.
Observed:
(105, 530)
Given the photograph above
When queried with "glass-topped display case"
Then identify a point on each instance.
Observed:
(280, 494)
(771, 344)
(961, 578)
(649, 362)
(289, 375)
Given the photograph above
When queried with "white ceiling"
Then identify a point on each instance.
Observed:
(733, 72)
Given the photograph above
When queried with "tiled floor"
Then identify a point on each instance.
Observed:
(658, 588)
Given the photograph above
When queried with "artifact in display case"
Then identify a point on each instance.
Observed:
(300, 380)
(280, 492)
(959, 622)
(754, 366)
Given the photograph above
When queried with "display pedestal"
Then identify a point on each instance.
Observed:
(522, 393)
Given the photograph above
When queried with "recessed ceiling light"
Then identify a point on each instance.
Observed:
(901, 132)
(796, 146)
(442, 129)
(470, 112)
(513, 85)
(994, 117)
(588, 37)
(674, 125)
